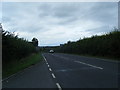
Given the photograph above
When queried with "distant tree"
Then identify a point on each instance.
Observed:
(68, 42)
(35, 42)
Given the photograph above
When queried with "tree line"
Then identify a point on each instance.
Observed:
(107, 45)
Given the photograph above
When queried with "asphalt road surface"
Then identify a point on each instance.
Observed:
(74, 71)
(67, 71)
(36, 76)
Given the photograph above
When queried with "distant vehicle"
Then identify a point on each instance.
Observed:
(51, 51)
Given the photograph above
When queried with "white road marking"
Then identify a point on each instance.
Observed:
(50, 69)
(58, 85)
(44, 59)
(53, 75)
(89, 64)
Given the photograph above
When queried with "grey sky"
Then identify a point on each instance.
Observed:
(57, 23)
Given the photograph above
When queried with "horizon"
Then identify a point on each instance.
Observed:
(58, 23)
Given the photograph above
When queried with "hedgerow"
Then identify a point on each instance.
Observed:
(14, 48)
(104, 45)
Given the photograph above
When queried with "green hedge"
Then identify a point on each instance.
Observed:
(104, 45)
(14, 48)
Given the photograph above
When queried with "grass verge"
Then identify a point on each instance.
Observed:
(18, 65)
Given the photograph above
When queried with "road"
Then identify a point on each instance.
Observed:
(36, 76)
(74, 71)
(67, 71)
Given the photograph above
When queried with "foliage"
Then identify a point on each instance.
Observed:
(14, 48)
(104, 45)
(16, 66)
(35, 42)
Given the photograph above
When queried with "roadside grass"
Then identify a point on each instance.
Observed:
(18, 65)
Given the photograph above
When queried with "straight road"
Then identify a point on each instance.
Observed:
(73, 71)
(36, 76)
(66, 71)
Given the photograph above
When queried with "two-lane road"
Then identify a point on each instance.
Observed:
(73, 71)
(67, 71)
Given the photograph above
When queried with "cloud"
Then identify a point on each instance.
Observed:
(0, 12)
(56, 23)
(104, 12)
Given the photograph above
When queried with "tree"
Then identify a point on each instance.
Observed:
(35, 42)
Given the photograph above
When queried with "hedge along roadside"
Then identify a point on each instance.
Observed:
(14, 49)
(107, 45)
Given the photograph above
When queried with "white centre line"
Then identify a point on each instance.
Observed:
(44, 59)
(58, 85)
(50, 69)
(53, 75)
(48, 66)
(89, 65)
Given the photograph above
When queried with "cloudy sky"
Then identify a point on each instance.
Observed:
(56, 23)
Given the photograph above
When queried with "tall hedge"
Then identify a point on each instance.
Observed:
(104, 45)
(14, 48)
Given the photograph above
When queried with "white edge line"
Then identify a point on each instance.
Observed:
(88, 64)
(53, 75)
(48, 65)
(58, 85)
(9, 77)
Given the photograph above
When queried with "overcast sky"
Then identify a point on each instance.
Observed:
(56, 23)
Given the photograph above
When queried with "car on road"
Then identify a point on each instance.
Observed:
(51, 51)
